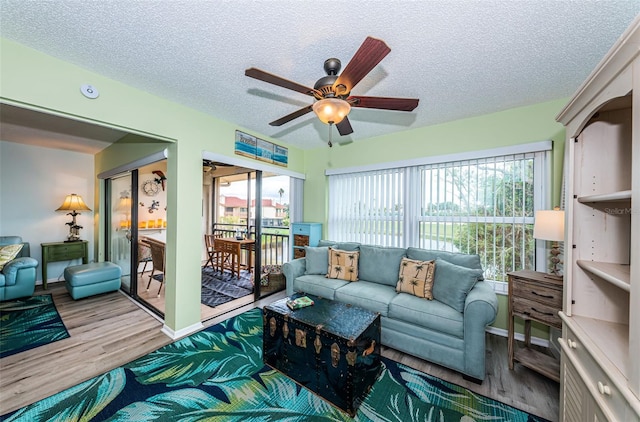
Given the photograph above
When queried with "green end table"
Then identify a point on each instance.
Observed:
(62, 251)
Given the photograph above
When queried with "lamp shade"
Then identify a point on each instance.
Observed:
(124, 205)
(331, 110)
(549, 225)
(73, 202)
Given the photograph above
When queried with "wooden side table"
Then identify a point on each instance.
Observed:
(62, 251)
(304, 234)
(534, 296)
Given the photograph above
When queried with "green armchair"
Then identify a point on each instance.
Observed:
(18, 276)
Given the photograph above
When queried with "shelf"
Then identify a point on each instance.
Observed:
(620, 196)
(539, 362)
(616, 274)
(612, 348)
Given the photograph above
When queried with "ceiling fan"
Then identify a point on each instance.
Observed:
(333, 92)
(210, 165)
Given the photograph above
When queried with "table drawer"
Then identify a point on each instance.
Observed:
(300, 240)
(301, 229)
(299, 253)
(537, 311)
(66, 252)
(538, 293)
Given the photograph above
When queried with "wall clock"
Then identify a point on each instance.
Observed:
(150, 188)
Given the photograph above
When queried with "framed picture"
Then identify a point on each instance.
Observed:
(245, 144)
(264, 150)
(280, 155)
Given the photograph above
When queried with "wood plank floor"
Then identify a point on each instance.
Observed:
(206, 312)
(109, 330)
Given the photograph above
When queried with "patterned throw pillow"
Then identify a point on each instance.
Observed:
(7, 253)
(416, 277)
(343, 264)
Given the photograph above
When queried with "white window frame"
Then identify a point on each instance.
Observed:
(411, 203)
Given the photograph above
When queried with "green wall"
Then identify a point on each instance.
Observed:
(511, 127)
(35, 80)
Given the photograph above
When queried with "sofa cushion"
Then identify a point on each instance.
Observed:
(429, 314)
(317, 260)
(368, 295)
(345, 246)
(318, 285)
(464, 260)
(8, 253)
(380, 264)
(343, 264)
(416, 278)
(452, 283)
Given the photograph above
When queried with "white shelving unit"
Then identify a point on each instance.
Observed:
(600, 359)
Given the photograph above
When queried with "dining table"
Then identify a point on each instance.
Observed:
(229, 250)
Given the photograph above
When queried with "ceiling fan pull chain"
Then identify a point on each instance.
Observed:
(330, 144)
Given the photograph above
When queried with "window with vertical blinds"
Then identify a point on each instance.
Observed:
(484, 206)
(367, 207)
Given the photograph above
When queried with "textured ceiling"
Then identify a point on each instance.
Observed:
(460, 58)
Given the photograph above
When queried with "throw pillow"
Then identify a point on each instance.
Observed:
(8, 253)
(317, 260)
(345, 246)
(416, 278)
(343, 265)
(452, 283)
(457, 258)
(380, 264)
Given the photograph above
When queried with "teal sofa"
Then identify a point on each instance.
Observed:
(448, 330)
(18, 276)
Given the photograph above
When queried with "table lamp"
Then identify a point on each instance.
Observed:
(549, 225)
(73, 203)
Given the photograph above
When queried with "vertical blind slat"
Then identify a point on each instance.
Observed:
(474, 206)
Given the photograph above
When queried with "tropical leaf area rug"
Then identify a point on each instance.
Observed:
(29, 323)
(221, 287)
(217, 375)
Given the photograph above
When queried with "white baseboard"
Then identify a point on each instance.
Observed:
(175, 335)
(518, 336)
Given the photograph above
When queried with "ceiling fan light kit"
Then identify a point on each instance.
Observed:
(331, 110)
(333, 92)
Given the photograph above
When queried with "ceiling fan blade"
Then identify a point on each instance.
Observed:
(344, 127)
(291, 116)
(370, 53)
(261, 75)
(384, 103)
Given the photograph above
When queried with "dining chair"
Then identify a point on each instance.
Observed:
(212, 252)
(228, 253)
(158, 260)
(211, 249)
(144, 254)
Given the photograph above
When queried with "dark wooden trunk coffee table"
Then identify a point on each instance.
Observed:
(331, 348)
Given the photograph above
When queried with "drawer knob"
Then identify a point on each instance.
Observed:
(604, 389)
(541, 295)
(572, 344)
(542, 313)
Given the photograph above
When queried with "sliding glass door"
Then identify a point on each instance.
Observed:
(254, 202)
(119, 228)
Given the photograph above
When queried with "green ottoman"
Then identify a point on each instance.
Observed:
(92, 279)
